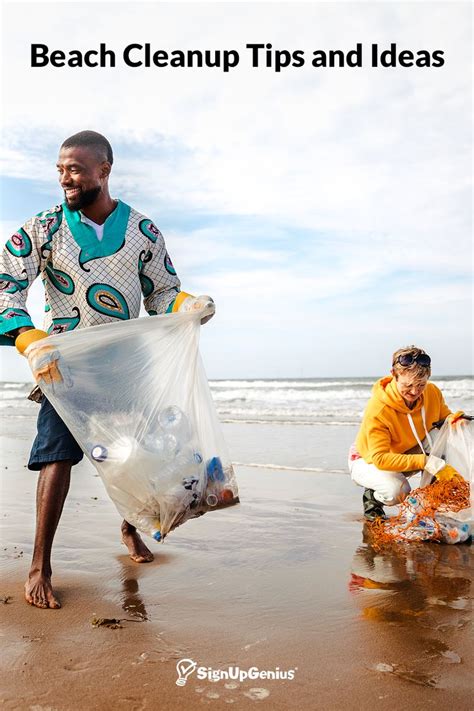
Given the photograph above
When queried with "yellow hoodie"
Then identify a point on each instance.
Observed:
(385, 433)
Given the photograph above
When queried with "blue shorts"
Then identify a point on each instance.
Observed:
(54, 442)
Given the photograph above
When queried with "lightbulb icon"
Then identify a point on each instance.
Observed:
(184, 667)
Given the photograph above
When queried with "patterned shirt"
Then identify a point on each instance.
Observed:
(87, 281)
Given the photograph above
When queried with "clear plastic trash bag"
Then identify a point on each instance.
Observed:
(456, 446)
(136, 398)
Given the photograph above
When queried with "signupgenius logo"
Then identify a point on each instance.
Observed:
(185, 667)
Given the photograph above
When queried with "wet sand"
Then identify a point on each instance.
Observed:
(283, 580)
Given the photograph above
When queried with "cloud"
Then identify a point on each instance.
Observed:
(280, 194)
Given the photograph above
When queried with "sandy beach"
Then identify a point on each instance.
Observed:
(282, 581)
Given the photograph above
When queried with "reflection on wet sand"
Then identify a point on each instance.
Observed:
(420, 594)
(131, 599)
(421, 577)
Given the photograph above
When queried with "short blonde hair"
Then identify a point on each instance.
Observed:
(415, 369)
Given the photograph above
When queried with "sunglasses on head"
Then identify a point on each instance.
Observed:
(407, 359)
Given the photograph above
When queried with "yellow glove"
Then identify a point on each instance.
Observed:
(43, 360)
(448, 473)
(26, 338)
(455, 417)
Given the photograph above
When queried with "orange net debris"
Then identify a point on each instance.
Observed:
(420, 515)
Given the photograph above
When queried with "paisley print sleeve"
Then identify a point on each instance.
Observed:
(158, 277)
(22, 260)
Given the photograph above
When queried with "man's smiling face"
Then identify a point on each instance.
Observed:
(82, 175)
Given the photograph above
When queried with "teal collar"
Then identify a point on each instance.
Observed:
(85, 236)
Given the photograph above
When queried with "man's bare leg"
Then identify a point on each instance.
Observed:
(51, 492)
(136, 548)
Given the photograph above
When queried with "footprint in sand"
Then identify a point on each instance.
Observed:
(134, 704)
(408, 674)
(461, 603)
(382, 667)
(451, 657)
(257, 694)
(77, 666)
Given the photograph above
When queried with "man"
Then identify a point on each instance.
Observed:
(397, 434)
(97, 258)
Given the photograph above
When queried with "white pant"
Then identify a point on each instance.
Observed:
(390, 488)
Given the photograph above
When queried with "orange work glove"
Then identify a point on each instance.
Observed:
(448, 473)
(43, 359)
(438, 468)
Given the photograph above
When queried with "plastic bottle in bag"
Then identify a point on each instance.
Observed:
(413, 508)
(174, 422)
(423, 530)
(119, 452)
(147, 523)
(215, 477)
(142, 411)
(164, 446)
(453, 531)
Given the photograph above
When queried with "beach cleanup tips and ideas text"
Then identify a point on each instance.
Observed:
(258, 56)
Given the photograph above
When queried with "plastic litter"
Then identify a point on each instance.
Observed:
(438, 511)
(136, 398)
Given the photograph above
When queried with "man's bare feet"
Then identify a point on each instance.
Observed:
(137, 550)
(39, 592)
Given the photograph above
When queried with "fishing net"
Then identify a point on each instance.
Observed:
(441, 510)
(135, 396)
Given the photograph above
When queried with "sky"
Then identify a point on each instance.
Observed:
(327, 211)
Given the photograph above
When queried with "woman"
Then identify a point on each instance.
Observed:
(397, 434)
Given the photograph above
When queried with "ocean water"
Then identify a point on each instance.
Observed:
(313, 401)
(305, 425)
(326, 401)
